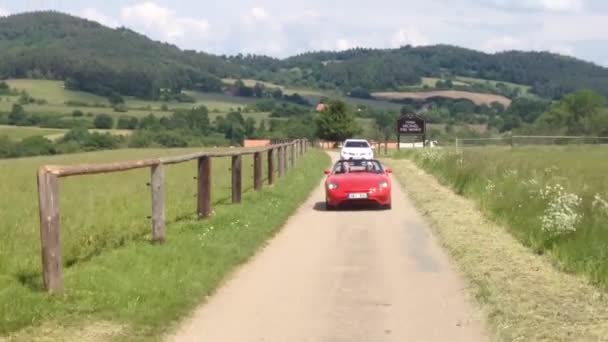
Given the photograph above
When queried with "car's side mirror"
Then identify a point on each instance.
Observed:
(387, 170)
(327, 172)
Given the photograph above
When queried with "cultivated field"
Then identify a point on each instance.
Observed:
(112, 272)
(57, 97)
(553, 199)
(477, 98)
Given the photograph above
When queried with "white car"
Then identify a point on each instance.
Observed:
(356, 149)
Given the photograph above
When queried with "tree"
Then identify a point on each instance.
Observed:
(386, 123)
(259, 89)
(127, 122)
(17, 115)
(115, 99)
(103, 121)
(336, 123)
(576, 113)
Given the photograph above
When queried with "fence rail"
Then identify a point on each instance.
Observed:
(48, 192)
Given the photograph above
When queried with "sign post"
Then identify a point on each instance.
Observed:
(412, 125)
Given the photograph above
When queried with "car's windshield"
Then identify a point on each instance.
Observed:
(352, 166)
(356, 144)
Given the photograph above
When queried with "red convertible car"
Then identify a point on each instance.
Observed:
(358, 182)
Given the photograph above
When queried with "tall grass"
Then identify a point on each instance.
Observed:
(553, 199)
(112, 272)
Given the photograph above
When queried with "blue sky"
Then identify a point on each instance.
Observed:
(281, 28)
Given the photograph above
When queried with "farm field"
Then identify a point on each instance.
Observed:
(56, 96)
(470, 80)
(477, 98)
(552, 199)
(20, 132)
(104, 224)
(286, 90)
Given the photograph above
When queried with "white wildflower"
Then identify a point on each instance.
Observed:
(490, 186)
(561, 216)
(600, 204)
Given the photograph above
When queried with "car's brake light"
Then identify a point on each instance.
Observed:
(383, 185)
(332, 186)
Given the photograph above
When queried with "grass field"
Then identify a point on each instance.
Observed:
(54, 91)
(523, 295)
(112, 272)
(19, 132)
(553, 199)
(56, 96)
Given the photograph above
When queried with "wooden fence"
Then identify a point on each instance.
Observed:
(48, 192)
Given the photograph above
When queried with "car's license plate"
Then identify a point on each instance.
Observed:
(359, 195)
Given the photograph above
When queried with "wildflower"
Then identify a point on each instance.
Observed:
(560, 217)
(600, 204)
(490, 186)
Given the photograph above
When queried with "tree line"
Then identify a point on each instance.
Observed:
(105, 61)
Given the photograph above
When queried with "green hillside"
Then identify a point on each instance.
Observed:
(101, 60)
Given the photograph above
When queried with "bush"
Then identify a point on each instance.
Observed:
(77, 113)
(103, 121)
(120, 108)
(127, 122)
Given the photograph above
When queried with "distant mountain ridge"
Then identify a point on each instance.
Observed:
(98, 59)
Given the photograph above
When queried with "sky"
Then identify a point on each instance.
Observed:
(576, 28)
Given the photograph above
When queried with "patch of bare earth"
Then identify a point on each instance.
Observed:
(93, 332)
(477, 98)
(523, 295)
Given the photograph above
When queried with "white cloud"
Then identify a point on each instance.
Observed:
(561, 5)
(259, 13)
(94, 15)
(3, 12)
(163, 22)
(539, 5)
(343, 44)
(562, 49)
(503, 43)
(410, 35)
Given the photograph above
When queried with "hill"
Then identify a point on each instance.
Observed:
(94, 58)
(98, 59)
(549, 75)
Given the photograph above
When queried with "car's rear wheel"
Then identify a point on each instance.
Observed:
(387, 206)
(329, 207)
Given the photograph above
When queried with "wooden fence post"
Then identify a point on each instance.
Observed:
(204, 187)
(280, 158)
(257, 171)
(292, 154)
(271, 166)
(286, 158)
(236, 179)
(48, 201)
(157, 187)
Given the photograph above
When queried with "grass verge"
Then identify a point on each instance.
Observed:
(146, 288)
(523, 295)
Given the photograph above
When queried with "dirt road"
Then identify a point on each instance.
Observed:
(342, 276)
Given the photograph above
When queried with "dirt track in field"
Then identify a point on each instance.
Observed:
(347, 276)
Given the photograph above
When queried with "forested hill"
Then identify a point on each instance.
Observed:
(98, 59)
(550, 75)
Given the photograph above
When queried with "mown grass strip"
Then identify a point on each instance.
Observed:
(524, 296)
(148, 288)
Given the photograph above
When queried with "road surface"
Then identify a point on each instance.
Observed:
(347, 276)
